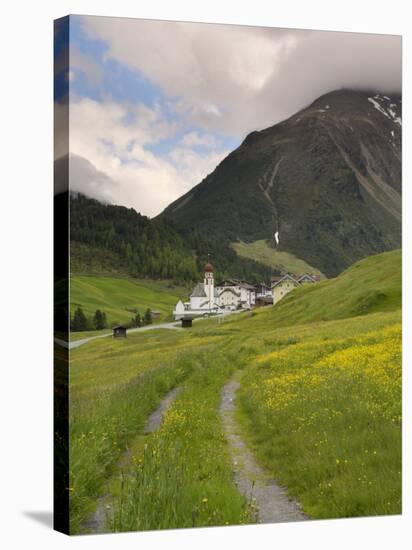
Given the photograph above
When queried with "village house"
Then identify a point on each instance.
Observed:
(262, 291)
(206, 298)
(234, 294)
(263, 295)
(229, 296)
(285, 284)
(309, 278)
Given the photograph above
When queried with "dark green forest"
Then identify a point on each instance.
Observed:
(150, 248)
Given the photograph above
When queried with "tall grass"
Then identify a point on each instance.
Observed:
(324, 416)
(183, 477)
(103, 423)
(319, 402)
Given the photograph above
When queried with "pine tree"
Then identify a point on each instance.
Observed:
(148, 317)
(79, 321)
(99, 320)
(136, 320)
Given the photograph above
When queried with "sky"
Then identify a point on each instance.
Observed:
(155, 106)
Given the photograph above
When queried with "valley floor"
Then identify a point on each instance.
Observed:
(318, 405)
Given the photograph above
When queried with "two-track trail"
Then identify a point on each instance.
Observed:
(96, 523)
(269, 501)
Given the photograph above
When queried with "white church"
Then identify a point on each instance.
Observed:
(208, 299)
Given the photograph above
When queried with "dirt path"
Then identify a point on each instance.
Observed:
(155, 419)
(96, 523)
(271, 501)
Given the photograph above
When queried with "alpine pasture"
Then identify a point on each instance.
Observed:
(121, 297)
(319, 404)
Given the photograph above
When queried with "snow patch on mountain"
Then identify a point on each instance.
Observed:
(389, 112)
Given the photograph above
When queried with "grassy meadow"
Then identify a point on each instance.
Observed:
(261, 252)
(117, 296)
(324, 415)
(319, 404)
(115, 384)
(183, 476)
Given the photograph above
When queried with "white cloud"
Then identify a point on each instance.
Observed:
(192, 139)
(193, 166)
(110, 159)
(85, 178)
(217, 78)
(235, 79)
(86, 64)
(212, 68)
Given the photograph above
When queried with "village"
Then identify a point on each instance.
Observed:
(208, 298)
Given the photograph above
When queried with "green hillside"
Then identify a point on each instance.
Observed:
(86, 259)
(278, 260)
(372, 284)
(109, 240)
(115, 296)
(319, 404)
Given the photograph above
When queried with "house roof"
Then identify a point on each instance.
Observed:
(247, 286)
(228, 283)
(307, 277)
(235, 282)
(284, 278)
(229, 289)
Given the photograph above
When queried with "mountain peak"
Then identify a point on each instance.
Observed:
(353, 100)
(327, 181)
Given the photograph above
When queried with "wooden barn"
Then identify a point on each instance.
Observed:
(119, 332)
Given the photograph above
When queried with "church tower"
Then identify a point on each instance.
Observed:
(209, 284)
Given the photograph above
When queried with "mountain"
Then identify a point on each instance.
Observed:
(109, 239)
(323, 186)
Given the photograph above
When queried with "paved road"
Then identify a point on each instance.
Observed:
(175, 325)
(78, 343)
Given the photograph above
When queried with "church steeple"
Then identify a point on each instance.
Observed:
(209, 284)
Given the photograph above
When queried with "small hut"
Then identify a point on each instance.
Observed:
(187, 322)
(119, 332)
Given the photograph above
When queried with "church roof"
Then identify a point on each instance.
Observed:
(209, 267)
(199, 291)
